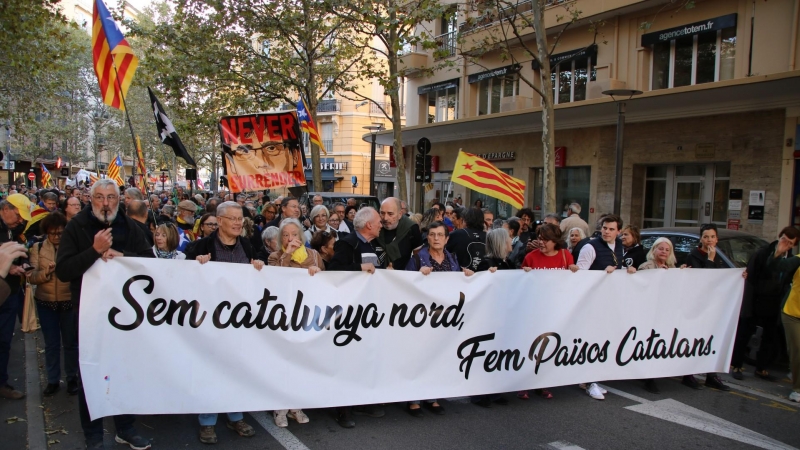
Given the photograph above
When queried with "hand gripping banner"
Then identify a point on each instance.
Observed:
(230, 338)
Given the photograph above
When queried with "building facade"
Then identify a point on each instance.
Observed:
(713, 137)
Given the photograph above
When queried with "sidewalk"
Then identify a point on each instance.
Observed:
(14, 432)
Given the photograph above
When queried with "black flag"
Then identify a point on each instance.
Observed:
(167, 132)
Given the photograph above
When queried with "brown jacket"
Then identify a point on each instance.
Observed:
(314, 259)
(50, 288)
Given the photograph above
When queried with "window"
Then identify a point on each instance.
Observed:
(696, 59)
(572, 186)
(570, 79)
(443, 105)
(500, 209)
(492, 90)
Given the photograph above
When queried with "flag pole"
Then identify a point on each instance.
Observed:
(127, 116)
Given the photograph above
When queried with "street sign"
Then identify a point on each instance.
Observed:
(424, 146)
(31, 176)
(163, 178)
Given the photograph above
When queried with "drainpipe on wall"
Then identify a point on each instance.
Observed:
(793, 45)
(752, 31)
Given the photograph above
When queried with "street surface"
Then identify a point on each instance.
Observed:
(756, 414)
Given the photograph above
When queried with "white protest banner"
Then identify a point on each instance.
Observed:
(174, 337)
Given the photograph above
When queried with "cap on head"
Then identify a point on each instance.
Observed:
(22, 203)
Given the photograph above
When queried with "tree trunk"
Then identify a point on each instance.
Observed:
(394, 98)
(548, 120)
(311, 106)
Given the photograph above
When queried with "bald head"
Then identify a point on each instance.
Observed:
(391, 211)
(137, 210)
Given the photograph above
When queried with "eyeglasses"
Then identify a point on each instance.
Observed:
(334, 220)
(109, 198)
(211, 224)
(233, 219)
(55, 233)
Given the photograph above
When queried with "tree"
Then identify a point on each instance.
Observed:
(510, 37)
(396, 26)
(246, 56)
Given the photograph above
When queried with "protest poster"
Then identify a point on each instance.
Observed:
(262, 151)
(231, 338)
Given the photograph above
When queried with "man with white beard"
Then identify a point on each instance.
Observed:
(100, 232)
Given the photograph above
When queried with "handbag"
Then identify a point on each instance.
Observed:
(30, 319)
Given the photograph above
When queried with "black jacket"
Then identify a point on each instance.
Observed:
(76, 254)
(634, 256)
(346, 257)
(206, 246)
(605, 257)
(146, 230)
(486, 263)
(765, 286)
(13, 235)
(699, 260)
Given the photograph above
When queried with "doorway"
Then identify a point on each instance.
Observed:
(686, 195)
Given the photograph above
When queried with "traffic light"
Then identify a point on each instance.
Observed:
(428, 169)
(419, 167)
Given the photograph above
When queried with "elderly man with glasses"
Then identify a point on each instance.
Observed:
(225, 245)
(100, 232)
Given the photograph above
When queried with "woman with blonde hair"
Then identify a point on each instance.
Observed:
(166, 242)
(660, 256)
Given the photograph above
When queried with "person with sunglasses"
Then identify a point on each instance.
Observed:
(207, 225)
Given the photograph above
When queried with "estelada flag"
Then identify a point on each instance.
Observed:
(307, 125)
(480, 175)
(262, 151)
(46, 177)
(114, 61)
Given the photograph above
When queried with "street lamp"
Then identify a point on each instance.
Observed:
(620, 128)
(374, 129)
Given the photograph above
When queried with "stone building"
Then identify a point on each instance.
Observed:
(717, 122)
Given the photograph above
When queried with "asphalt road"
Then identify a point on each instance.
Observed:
(755, 415)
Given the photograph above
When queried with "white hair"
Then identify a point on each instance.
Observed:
(363, 216)
(671, 261)
(580, 233)
(317, 210)
(295, 222)
(269, 233)
(222, 207)
(497, 243)
(103, 183)
(575, 207)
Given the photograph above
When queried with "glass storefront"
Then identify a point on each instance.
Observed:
(686, 195)
(572, 186)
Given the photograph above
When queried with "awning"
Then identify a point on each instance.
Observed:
(325, 176)
(758, 93)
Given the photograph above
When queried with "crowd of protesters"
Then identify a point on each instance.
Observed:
(51, 238)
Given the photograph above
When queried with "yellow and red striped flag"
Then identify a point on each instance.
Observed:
(93, 178)
(480, 175)
(307, 125)
(114, 61)
(46, 177)
(114, 168)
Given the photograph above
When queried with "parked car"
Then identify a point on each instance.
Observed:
(332, 197)
(735, 247)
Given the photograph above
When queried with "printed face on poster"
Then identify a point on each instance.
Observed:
(262, 151)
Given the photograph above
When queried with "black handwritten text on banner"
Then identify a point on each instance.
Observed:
(230, 338)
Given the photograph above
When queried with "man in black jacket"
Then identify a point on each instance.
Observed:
(137, 210)
(358, 251)
(100, 232)
(225, 245)
(761, 306)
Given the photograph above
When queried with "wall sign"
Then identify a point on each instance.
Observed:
(757, 198)
(328, 165)
(705, 151)
(691, 29)
(561, 157)
(438, 86)
(499, 156)
(502, 71)
(734, 205)
(558, 58)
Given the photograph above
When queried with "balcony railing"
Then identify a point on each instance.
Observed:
(493, 16)
(328, 144)
(446, 44)
(376, 109)
(329, 106)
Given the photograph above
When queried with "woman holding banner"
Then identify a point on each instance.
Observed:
(294, 253)
(660, 256)
(433, 258)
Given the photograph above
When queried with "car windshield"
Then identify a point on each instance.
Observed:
(737, 249)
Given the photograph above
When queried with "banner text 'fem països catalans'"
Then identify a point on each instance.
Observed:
(262, 151)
